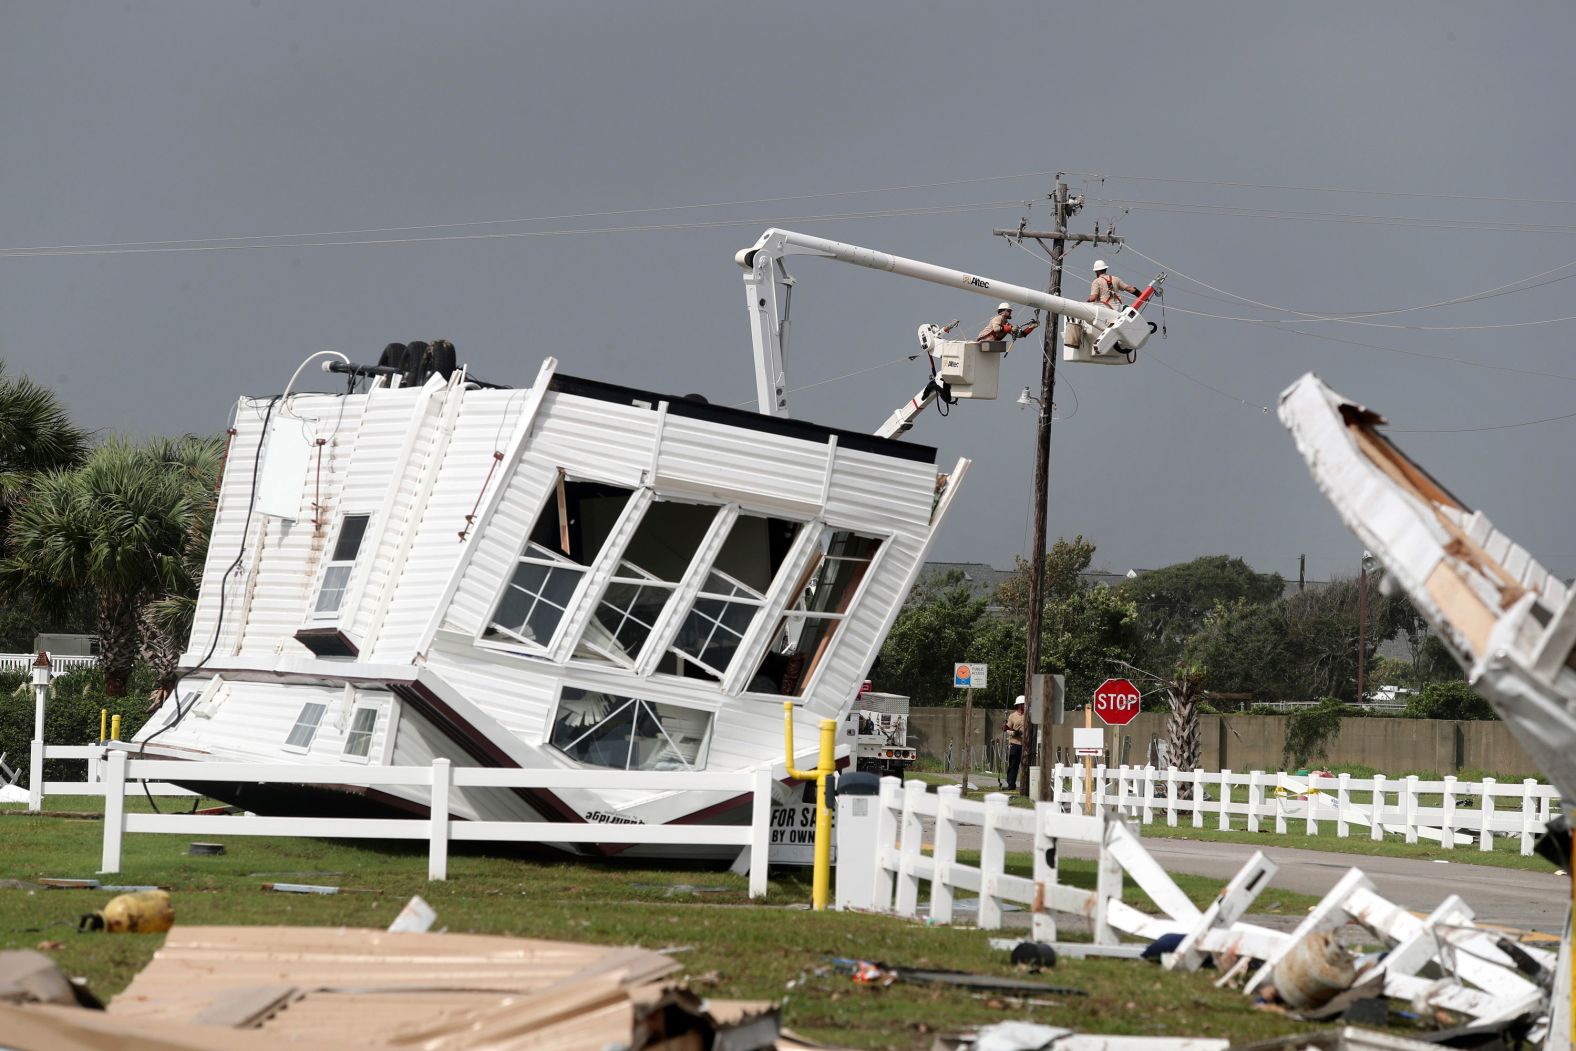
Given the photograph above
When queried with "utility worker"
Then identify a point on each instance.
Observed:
(1105, 287)
(1014, 728)
(999, 328)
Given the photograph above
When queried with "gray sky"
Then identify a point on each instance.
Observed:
(156, 121)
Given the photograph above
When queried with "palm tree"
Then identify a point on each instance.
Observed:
(35, 435)
(123, 524)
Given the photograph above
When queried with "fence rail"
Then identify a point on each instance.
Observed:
(1450, 812)
(439, 828)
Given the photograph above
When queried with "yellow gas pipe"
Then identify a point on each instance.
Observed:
(821, 884)
(114, 727)
(103, 725)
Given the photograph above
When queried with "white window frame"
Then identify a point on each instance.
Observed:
(350, 730)
(513, 644)
(702, 753)
(316, 615)
(317, 725)
(785, 609)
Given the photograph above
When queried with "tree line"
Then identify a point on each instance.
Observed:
(1211, 629)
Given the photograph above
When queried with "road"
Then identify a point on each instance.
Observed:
(1512, 897)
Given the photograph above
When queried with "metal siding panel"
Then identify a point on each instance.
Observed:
(380, 569)
(599, 439)
(741, 461)
(880, 491)
(501, 540)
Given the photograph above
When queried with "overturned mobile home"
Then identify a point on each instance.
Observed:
(572, 575)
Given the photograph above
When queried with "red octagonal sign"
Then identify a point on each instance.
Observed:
(1116, 701)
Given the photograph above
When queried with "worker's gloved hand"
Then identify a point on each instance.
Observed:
(1030, 327)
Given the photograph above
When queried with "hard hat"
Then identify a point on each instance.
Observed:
(1019, 701)
(1003, 306)
(1099, 265)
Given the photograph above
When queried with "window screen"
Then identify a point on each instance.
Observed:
(358, 741)
(306, 724)
(807, 629)
(336, 577)
(626, 733)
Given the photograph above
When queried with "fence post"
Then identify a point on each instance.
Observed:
(1281, 794)
(1409, 807)
(1315, 796)
(1042, 920)
(913, 836)
(1107, 886)
(438, 837)
(1171, 796)
(1198, 797)
(1343, 799)
(886, 840)
(1225, 800)
(1255, 798)
(1122, 802)
(1376, 827)
(760, 832)
(1486, 815)
(993, 862)
(1101, 772)
(1149, 795)
(1529, 810)
(114, 811)
(35, 776)
(945, 852)
(1447, 819)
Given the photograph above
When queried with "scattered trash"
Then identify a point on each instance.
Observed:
(313, 888)
(1033, 956)
(417, 917)
(867, 972)
(50, 946)
(1035, 1036)
(28, 977)
(204, 850)
(19, 884)
(145, 912)
(57, 883)
(1313, 971)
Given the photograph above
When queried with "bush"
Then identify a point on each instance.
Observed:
(71, 716)
(1448, 700)
(1310, 730)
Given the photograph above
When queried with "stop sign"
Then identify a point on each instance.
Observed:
(1116, 701)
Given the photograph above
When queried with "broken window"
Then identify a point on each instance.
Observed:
(336, 577)
(305, 728)
(732, 595)
(626, 733)
(652, 565)
(810, 624)
(358, 741)
(568, 536)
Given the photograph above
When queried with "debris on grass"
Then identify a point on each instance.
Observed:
(417, 917)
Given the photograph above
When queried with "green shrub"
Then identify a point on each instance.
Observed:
(71, 716)
(1309, 731)
(1448, 700)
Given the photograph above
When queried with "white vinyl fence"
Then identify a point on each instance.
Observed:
(1450, 812)
(23, 662)
(439, 829)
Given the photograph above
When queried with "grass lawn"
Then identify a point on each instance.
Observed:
(736, 948)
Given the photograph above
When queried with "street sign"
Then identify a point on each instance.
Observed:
(1089, 742)
(1116, 702)
(967, 676)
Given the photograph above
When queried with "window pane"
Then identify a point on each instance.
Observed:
(358, 741)
(534, 601)
(623, 733)
(626, 616)
(589, 512)
(805, 633)
(306, 725)
(351, 530)
(667, 538)
(713, 630)
(755, 550)
(333, 592)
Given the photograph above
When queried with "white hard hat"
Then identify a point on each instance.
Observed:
(1003, 306)
(1099, 264)
(1019, 701)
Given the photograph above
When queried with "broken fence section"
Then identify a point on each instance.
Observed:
(1450, 812)
(1486, 978)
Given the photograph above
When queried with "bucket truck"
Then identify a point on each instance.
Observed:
(959, 369)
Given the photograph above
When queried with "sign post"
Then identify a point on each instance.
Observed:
(1116, 702)
(966, 677)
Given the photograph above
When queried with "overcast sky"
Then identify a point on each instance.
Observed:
(140, 122)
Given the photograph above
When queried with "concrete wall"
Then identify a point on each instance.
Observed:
(1253, 742)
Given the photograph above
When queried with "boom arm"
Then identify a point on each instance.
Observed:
(768, 287)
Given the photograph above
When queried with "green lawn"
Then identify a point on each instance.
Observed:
(755, 949)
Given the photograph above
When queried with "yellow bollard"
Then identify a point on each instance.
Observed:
(114, 727)
(821, 881)
(103, 725)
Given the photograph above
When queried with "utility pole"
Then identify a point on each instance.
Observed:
(1362, 622)
(1065, 207)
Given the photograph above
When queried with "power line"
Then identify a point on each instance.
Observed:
(1265, 409)
(1326, 189)
(1498, 290)
(1491, 427)
(515, 234)
(537, 218)
(1357, 218)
